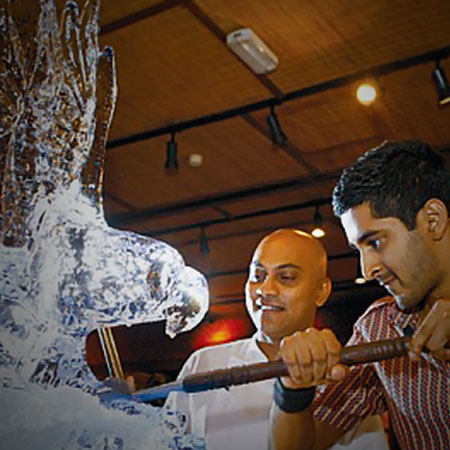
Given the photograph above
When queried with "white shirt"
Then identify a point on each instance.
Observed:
(238, 418)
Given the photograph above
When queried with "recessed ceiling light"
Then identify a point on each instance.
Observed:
(366, 93)
(195, 160)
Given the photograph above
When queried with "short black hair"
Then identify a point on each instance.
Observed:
(395, 179)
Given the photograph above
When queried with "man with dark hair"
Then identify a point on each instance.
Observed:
(394, 205)
(395, 179)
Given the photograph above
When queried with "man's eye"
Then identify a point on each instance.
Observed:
(287, 277)
(374, 243)
(257, 276)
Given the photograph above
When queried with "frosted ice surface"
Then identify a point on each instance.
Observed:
(68, 418)
(63, 270)
(79, 273)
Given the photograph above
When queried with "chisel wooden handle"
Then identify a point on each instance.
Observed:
(234, 376)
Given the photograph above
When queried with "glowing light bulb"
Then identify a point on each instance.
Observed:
(366, 94)
(318, 233)
(360, 280)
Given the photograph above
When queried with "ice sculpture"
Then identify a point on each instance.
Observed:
(63, 271)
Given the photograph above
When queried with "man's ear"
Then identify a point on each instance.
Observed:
(325, 291)
(433, 218)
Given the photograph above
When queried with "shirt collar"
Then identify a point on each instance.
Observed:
(254, 348)
(402, 320)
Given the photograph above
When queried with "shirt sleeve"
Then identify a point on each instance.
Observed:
(346, 404)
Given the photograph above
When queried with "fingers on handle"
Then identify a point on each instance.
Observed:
(310, 355)
(434, 331)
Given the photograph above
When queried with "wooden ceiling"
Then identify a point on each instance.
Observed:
(174, 67)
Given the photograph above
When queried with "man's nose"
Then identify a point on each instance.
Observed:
(268, 287)
(371, 265)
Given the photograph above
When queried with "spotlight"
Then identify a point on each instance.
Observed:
(366, 94)
(204, 244)
(171, 154)
(318, 232)
(442, 85)
(276, 133)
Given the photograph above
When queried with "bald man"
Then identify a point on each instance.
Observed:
(287, 281)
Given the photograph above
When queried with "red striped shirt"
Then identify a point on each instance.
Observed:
(416, 394)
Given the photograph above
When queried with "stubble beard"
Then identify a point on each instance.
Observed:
(421, 267)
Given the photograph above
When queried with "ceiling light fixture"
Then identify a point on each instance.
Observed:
(366, 94)
(318, 232)
(442, 85)
(359, 279)
(171, 154)
(303, 92)
(195, 159)
(204, 244)
(276, 133)
(252, 50)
